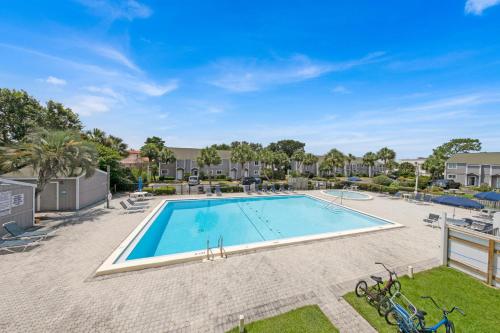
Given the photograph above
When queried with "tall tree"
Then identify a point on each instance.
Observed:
(208, 156)
(242, 154)
(97, 135)
(349, 158)
(21, 114)
(298, 156)
(157, 141)
(369, 160)
(310, 159)
(435, 163)
(385, 155)
(406, 169)
(281, 161)
(151, 152)
(59, 117)
(51, 154)
(266, 157)
(334, 159)
(287, 146)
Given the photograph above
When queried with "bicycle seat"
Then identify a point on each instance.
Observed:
(421, 314)
(377, 279)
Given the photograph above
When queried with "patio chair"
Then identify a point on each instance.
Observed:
(137, 203)
(17, 232)
(396, 195)
(264, 188)
(282, 188)
(131, 209)
(432, 219)
(290, 188)
(218, 191)
(458, 222)
(13, 245)
(273, 188)
(208, 191)
(481, 226)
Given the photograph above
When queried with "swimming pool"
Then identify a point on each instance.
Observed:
(178, 230)
(349, 194)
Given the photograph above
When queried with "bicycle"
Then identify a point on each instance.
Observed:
(415, 322)
(377, 295)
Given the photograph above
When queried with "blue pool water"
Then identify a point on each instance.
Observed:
(185, 226)
(348, 194)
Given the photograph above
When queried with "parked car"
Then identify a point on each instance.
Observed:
(446, 183)
(193, 180)
(251, 180)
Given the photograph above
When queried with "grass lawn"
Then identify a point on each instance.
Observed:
(308, 319)
(448, 287)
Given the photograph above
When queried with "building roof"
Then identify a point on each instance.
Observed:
(29, 173)
(14, 182)
(193, 153)
(476, 158)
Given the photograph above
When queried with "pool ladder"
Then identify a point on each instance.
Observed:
(220, 247)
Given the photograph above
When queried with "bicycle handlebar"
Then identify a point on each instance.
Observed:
(387, 269)
(458, 309)
(443, 309)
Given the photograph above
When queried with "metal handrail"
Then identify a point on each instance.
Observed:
(209, 251)
(223, 253)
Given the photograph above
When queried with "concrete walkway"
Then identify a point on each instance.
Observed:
(52, 288)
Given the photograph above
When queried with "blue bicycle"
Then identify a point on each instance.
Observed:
(413, 321)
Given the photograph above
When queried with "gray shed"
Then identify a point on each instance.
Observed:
(16, 203)
(65, 193)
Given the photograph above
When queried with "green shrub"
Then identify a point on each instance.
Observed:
(164, 190)
(382, 180)
(221, 177)
(231, 189)
(483, 188)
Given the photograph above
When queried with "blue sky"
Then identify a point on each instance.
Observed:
(352, 75)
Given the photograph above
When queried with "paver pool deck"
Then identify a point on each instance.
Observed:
(52, 288)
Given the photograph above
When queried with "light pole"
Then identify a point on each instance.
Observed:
(416, 180)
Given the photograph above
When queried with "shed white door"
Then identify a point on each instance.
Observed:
(180, 174)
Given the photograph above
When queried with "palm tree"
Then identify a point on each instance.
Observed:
(51, 154)
(96, 135)
(298, 156)
(165, 156)
(334, 159)
(242, 154)
(208, 156)
(280, 161)
(117, 144)
(385, 155)
(369, 160)
(150, 150)
(349, 158)
(265, 156)
(310, 159)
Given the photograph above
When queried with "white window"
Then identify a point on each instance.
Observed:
(219, 172)
(452, 176)
(256, 163)
(256, 172)
(452, 165)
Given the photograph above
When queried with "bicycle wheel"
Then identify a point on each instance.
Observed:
(361, 288)
(395, 287)
(384, 306)
(392, 317)
(450, 328)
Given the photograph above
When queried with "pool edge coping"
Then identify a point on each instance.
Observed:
(109, 266)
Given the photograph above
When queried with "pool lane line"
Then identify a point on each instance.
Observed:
(250, 220)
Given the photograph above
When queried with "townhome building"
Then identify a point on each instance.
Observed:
(185, 164)
(474, 169)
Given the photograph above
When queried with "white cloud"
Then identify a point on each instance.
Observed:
(251, 75)
(117, 9)
(87, 105)
(152, 89)
(104, 91)
(116, 56)
(476, 7)
(55, 81)
(341, 90)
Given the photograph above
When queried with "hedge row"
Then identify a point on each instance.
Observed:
(164, 190)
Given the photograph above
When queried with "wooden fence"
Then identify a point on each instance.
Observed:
(473, 252)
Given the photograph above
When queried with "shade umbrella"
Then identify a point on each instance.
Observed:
(457, 202)
(139, 185)
(354, 179)
(490, 196)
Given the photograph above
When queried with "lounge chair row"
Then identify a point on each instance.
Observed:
(481, 226)
(19, 239)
